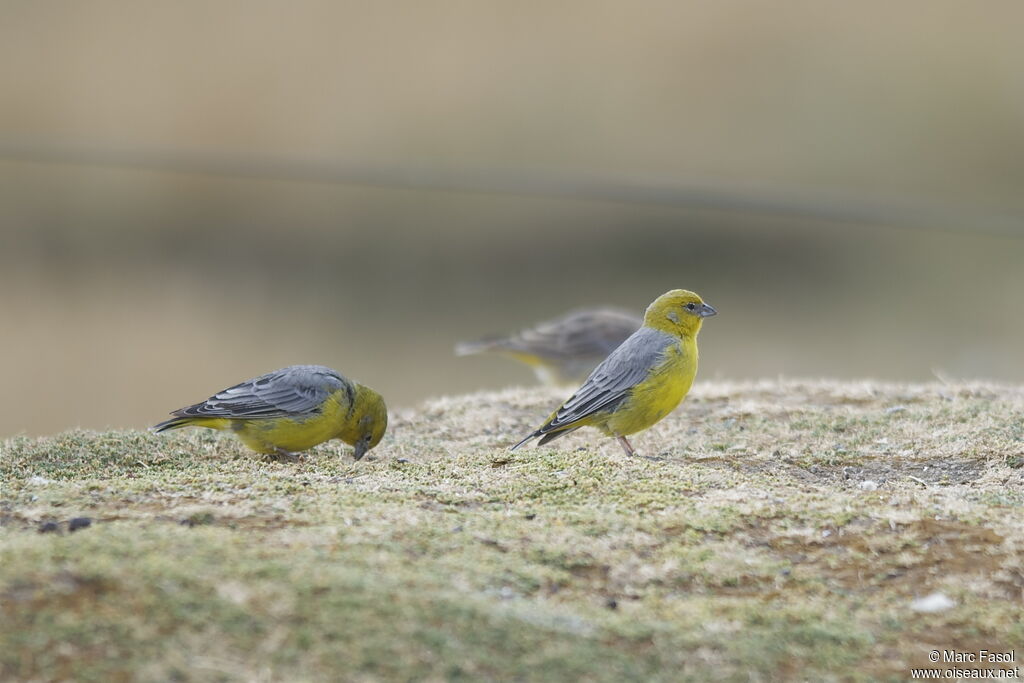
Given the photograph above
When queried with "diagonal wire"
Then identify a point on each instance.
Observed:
(578, 185)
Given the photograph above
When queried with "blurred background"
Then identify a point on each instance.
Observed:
(193, 193)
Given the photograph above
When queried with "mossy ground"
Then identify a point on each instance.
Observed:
(749, 548)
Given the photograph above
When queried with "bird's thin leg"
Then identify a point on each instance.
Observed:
(281, 455)
(629, 451)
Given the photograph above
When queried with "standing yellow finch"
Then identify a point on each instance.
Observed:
(563, 350)
(290, 410)
(643, 380)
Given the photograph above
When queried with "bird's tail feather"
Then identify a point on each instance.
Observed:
(480, 346)
(530, 436)
(545, 436)
(173, 423)
(551, 436)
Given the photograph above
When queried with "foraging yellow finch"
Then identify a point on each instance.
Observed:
(563, 350)
(643, 380)
(290, 410)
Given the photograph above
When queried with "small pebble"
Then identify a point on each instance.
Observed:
(611, 603)
(79, 523)
(930, 604)
(868, 485)
(49, 528)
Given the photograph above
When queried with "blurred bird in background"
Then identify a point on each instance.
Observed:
(563, 350)
(643, 380)
(292, 409)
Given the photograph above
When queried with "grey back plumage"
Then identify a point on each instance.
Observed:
(611, 381)
(582, 333)
(295, 390)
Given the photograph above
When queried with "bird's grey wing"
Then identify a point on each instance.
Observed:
(584, 332)
(612, 380)
(294, 390)
(598, 332)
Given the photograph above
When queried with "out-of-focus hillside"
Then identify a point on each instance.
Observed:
(920, 98)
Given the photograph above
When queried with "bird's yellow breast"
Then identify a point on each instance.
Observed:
(657, 395)
(293, 433)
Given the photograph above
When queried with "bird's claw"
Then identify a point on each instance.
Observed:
(281, 455)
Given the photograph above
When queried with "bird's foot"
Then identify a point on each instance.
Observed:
(626, 446)
(281, 455)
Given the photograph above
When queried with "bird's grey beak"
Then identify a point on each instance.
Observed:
(361, 447)
(706, 311)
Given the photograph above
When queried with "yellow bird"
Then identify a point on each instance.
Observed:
(564, 350)
(643, 380)
(291, 410)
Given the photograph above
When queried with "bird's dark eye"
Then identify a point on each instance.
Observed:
(691, 306)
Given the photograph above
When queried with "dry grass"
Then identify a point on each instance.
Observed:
(750, 548)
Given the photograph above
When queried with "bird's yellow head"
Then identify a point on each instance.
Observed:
(679, 312)
(371, 417)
